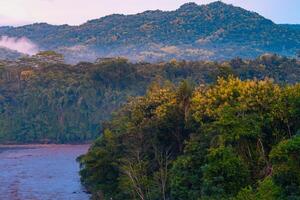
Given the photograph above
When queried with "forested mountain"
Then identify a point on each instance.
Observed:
(42, 99)
(292, 26)
(9, 54)
(231, 140)
(215, 31)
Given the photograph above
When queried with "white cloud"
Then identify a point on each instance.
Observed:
(22, 45)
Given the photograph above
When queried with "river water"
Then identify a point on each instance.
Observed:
(41, 172)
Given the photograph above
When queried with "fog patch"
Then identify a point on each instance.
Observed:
(22, 45)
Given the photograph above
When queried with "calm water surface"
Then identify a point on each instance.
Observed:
(41, 172)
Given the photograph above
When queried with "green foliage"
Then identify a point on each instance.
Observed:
(45, 100)
(102, 174)
(186, 172)
(267, 190)
(286, 168)
(246, 194)
(224, 174)
(229, 140)
(151, 131)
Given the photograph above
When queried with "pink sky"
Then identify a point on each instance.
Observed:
(74, 12)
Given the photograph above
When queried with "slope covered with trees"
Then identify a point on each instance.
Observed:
(8, 54)
(44, 100)
(232, 140)
(215, 31)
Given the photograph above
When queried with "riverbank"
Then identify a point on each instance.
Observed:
(4, 147)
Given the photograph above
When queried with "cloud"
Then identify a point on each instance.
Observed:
(22, 45)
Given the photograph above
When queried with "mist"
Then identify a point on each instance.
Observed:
(22, 45)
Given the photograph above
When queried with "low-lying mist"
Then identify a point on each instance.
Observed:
(22, 45)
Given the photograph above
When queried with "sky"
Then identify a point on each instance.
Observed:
(75, 12)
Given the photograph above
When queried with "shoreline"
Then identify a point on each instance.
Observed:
(40, 145)
(6, 147)
(46, 143)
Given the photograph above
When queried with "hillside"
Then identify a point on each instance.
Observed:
(6, 53)
(43, 99)
(215, 31)
(292, 26)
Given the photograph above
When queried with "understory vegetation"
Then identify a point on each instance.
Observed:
(233, 139)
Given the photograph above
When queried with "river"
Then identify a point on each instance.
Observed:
(41, 172)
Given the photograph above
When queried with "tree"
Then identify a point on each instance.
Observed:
(100, 176)
(225, 174)
(286, 168)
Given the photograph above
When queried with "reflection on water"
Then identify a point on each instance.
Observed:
(41, 172)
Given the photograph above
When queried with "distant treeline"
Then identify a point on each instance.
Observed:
(44, 100)
(231, 140)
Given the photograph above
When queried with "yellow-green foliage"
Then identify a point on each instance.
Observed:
(232, 139)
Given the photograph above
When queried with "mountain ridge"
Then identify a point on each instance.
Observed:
(213, 31)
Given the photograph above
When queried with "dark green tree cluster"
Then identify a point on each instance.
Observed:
(44, 100)
(230, 140)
